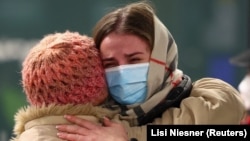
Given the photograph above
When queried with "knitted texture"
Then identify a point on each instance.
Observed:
(64, 68)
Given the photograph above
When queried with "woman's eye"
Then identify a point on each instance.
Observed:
(109, 65)
(135, 60)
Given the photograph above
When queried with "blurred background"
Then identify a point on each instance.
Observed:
(207, 32)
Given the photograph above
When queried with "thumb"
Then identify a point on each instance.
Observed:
(106, 121)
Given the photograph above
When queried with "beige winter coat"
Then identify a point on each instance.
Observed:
(211, 101)
(39, 124)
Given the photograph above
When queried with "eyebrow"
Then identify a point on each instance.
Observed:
(126, 55)
(133, 54)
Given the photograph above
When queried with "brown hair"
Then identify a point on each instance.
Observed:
(135, 18)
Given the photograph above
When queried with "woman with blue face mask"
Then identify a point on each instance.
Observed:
(140, 57)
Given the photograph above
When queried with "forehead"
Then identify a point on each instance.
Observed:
(125, 42)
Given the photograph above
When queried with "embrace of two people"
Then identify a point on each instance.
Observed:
(111, 86)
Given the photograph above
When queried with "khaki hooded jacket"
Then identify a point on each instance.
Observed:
(39, 124)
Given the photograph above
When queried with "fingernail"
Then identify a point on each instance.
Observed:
(59, 134)
(66, 116)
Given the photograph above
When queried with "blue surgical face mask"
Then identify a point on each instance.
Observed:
(128, 83)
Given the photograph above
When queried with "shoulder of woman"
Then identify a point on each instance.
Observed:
(209, 100)
(213, 83)
(216, 89)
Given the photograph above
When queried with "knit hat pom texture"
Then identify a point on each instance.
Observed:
(63, 68)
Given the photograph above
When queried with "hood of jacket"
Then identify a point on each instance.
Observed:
(30, 116)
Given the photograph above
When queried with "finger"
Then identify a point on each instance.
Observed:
(73, 129)
(81, 122)
(106, 121)
(71, 137)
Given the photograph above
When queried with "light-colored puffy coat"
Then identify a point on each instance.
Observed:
(39, 124)
(211, 101)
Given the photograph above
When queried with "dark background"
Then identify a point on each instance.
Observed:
(207, 32)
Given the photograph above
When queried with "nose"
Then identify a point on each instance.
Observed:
(123, 61)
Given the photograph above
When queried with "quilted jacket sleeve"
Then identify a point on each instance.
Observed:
(212, 101)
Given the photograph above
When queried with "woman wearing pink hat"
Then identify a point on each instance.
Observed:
(62, 74)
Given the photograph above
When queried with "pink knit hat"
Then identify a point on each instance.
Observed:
(64, 68)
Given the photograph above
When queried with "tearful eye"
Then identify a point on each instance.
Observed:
(135, 60)
(109, 65)
(137, 57)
